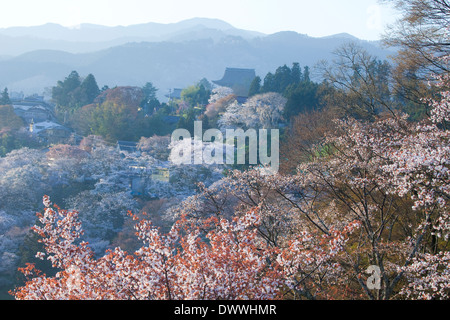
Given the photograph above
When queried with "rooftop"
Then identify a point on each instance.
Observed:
(46, 125)
(237, 79)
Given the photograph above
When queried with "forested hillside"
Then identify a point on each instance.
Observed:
(194, 51)
(358, 208)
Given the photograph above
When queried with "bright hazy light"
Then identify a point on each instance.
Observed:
(365, 19)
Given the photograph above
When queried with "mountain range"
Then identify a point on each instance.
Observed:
(170, 56)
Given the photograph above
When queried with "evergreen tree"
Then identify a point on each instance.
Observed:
(255, 87)
(306, 76)
(89, 89)
(283, 78)
(187, 121)
(208, 86)
(296, 73)
(72, 82)
(303, 97)
(8, 118)
(149, 91)
(4, 99)
(268, 85)
(66, 92)
(150, 102)
(196, 95)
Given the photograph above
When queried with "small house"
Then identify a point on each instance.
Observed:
(33, 112)
(50, 132)
(174, 94)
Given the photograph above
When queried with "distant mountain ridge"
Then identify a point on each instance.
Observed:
(168, 55)
(90, 37)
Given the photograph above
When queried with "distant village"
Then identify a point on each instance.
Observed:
(39, 117)
(41, 122)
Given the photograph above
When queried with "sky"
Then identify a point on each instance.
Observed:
(365, 19)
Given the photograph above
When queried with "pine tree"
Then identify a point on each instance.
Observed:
(4, 99)
(306, 76)
(296, 73)
(89, 89)
(255, 87)
(66, 92)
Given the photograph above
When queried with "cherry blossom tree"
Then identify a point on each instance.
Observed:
(260, 111)
(292, 221)
(419, 166)
(228, 264)
(389, 176)
(371, 195)
(219, 93)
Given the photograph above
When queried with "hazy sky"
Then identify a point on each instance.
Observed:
(362, 18)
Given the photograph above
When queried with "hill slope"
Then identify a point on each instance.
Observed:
(192, 51)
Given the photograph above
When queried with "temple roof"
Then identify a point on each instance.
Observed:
(237, 79)
(236, 76)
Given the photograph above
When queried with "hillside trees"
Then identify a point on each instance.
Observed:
(420, 162)
(8, 119)
(298, 212)
(421, 34)
(389, 175)
(74, 92)
(305, 130)
(360, 82)
(295, 85)
(117, 114)
(372, 193)
(215, 258)
(196, 95)
(228, 266)
(262, 111)
(89, 90)
(255, 86)
(78, 177)
(364, 188)
(304, 97)
(282, 78)
(220, 99)
(155, 146)
(356, 85)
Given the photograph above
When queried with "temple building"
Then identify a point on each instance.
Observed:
(237, 79)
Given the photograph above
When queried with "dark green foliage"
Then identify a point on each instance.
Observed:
(196, 95)
(13, 140)
(10, 136)
(296, 86)
(187, 121)
(66, 93)
(118, 116)
(301, 98)
(255, 87)
(8, 119)
(296, 73)
(89, 89)
(73, 92)
(4, 98)
(150, 103)
(284, 78)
